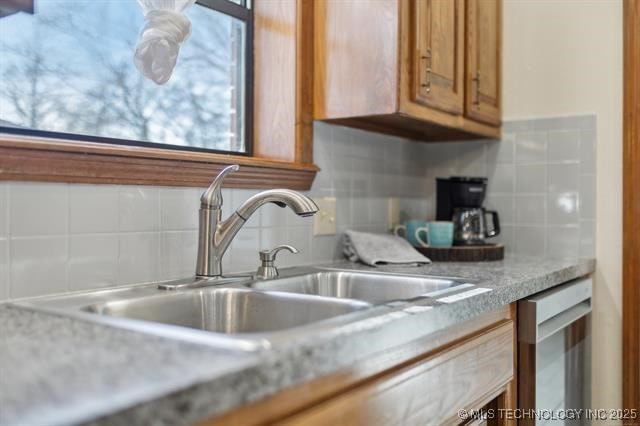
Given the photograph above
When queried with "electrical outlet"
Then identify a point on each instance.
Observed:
(324, 222)
(393, 213)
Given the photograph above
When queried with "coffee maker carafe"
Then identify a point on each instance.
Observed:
(460, 199)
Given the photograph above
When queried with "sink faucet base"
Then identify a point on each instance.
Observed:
(196, 282)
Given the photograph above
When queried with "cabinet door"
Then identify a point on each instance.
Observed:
(429, 392)
(483, 75)
(437, 59)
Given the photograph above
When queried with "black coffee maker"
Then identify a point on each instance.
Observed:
(459, 199)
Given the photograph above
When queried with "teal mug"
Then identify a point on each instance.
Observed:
(421, 233)
(440, 234)
(415, 231)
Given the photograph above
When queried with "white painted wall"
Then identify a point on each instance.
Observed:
(564, 57)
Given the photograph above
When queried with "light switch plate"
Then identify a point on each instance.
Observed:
(393, 213)
(324, 222)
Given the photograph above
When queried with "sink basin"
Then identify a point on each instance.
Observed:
(229, 310)
(240, 313)
(370, 287)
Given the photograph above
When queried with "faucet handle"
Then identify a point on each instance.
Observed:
(212, 197)
(267, 268)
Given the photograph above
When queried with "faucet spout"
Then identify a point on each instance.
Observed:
(299, 203)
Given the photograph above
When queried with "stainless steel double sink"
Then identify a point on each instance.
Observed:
(244, 313)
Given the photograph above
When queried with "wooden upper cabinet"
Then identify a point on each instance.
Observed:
(484, 28)
(400, 67)
(438, 58)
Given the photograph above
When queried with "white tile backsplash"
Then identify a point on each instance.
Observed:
(91, 236)
(360, 211)
(531, 178)
(563, 242)
(530, 240)
(501, 178)
(139, 209)
(245, 247)
(531, 147)
(563, 177)
(501, 151)
(274, 216)
(272, 237)
(507, 237)
(587, 197)
(300, 238)
(564, 146)
(93, 261)
(378, 211)
(91, 210)
(587, 238)
(562, 208)
(293, 220)
(324, 249)
(530, 209)
(179, 208)
(38, 266)
(38, 209)
(178, 250)
(343, 213)
(413, 208)
(138, 257)
(504, 205)
(552, 194)
(472, 161)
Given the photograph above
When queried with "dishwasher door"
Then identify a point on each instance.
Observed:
(554, 351)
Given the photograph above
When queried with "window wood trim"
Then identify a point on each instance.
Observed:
(282, 131)
(55, 160)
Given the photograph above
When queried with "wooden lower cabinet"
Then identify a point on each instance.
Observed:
(469, 369)
(465, 377)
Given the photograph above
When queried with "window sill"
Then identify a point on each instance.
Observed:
(56, 160)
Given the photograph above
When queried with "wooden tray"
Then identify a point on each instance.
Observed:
(464, 253)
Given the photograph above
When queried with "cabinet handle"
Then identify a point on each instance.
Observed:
(476, 80)
(427, 59)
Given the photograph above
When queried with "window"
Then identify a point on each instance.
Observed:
(274, 37)
(67, 71)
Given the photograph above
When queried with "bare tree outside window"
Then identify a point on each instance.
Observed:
(68, 68)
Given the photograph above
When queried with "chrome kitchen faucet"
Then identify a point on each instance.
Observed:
(215, 235)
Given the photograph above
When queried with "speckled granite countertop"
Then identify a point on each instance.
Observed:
(56, 370)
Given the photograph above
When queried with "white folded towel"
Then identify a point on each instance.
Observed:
(374, 249)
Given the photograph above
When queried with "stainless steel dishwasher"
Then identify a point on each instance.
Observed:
(554, 350)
